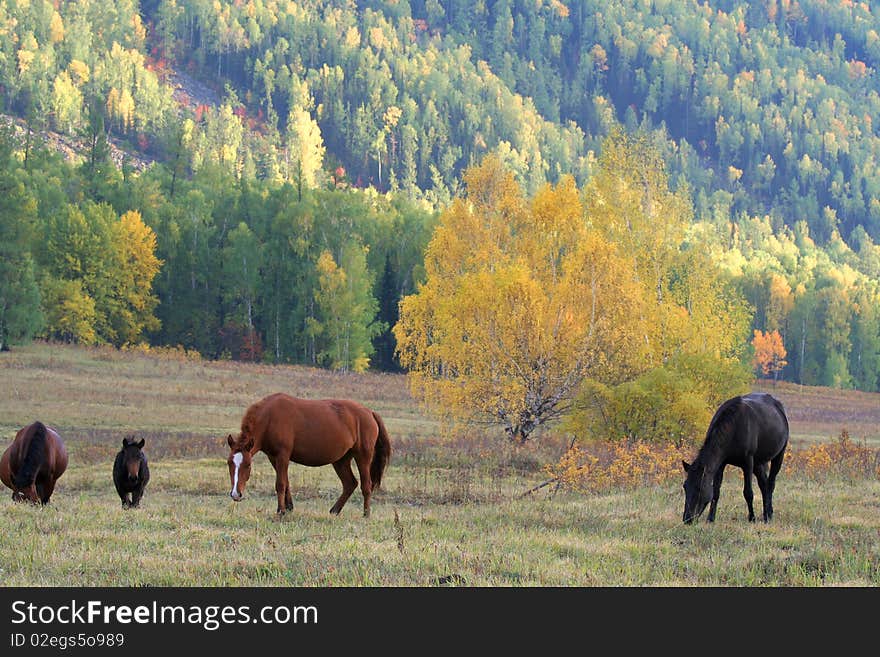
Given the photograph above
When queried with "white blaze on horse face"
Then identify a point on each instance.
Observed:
(236, 459)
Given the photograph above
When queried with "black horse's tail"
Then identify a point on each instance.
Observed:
(381, 455)
(33, 459)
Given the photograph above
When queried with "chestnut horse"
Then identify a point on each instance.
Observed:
(311, 432)
(32, 464)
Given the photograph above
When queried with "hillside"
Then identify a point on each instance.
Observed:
(275, 150)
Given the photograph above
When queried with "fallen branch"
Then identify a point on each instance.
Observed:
(555, 480)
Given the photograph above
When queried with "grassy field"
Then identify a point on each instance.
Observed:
(451, 511)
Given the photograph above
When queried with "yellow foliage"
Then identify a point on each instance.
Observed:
(56, 28)
(522, 301)
(176, 353)
(770, 352)
(79, 71)
(843, 457)
(616, 465)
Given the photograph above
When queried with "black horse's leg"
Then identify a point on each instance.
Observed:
(748, 470)
(775, 465)
(363, 464)
(716, 492)
(761, 476)
(349, 483)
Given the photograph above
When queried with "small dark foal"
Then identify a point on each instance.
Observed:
(131, 472)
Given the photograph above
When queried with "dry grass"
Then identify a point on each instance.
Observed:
(451, 511)
(821, 414)
(85, 390)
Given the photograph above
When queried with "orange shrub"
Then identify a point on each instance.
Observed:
(609, 465)
(843, 457)
(613, 465)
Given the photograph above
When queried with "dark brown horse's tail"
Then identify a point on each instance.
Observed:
(33, 459)
(381, 455)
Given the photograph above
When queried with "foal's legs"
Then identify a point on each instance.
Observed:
(716, 492)
(349, 483)
(748, 470)
(363, 463)
(763, 484)
(137, 494)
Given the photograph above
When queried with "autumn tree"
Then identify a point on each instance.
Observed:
(20, 313)
(98, 275)
(694, 324)
(346, 309)
(305, 149)
(131, 303)
(769, 352)
(522, 301)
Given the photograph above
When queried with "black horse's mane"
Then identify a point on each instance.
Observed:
(722, 424)
(33, 459)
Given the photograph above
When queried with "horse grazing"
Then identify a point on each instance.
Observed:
(748, 432)
(32, 464)
(313, 433)
(131, 472)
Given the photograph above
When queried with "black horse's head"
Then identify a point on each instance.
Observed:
(132, 455)
(697, 490)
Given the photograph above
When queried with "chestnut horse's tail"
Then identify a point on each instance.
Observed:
(382, 453)
(33, 459)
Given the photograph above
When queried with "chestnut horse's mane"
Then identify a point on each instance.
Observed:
(248, 424)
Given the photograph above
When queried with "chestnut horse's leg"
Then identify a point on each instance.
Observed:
(363, 463)
(282, 485)
(288, 499)
(45, 488)
(349, 483)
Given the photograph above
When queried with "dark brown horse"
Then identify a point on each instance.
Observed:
(749, 432)
(131, 472)
(314, 433)
(32, 464)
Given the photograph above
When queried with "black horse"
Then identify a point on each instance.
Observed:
(131, 472)
(748, 432)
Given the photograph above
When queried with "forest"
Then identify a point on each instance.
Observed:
(286, 214)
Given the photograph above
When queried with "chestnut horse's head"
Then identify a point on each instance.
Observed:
(239, 463)
(26, 494)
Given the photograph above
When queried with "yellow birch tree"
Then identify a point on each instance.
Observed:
(522, 301)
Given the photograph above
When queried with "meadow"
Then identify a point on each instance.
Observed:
(453, 509)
